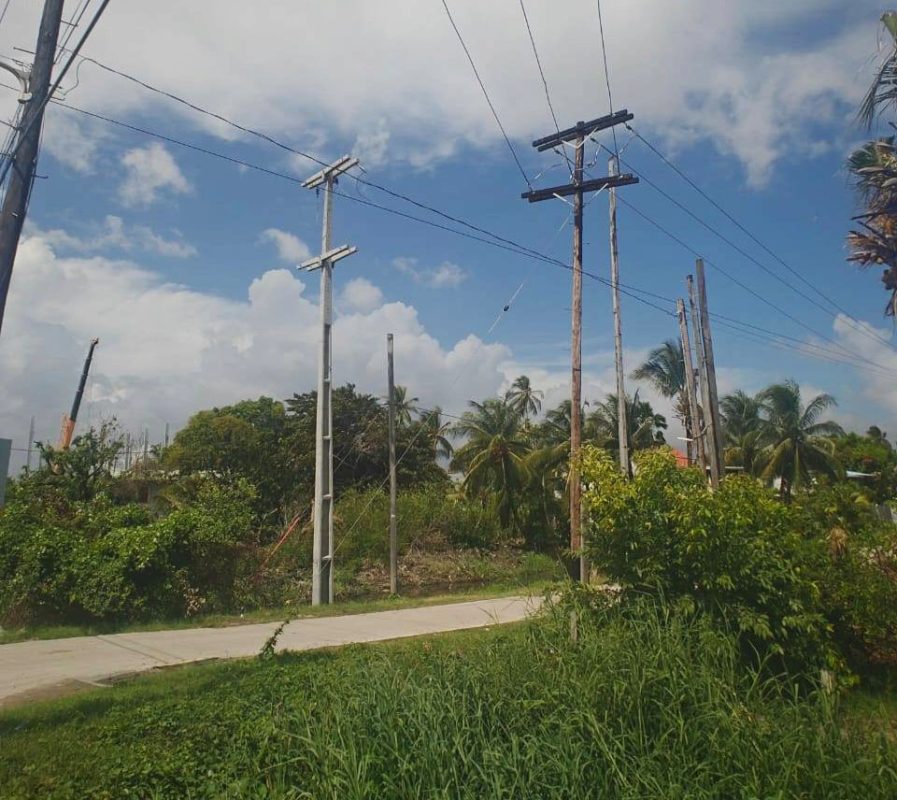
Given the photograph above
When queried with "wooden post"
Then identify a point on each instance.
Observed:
(711, 371)
(576, 540)
(697, 440)
(622, 422)
(393, 530)
(709, 440)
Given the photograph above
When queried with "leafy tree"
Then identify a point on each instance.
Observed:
(438, 432)
(870, 454)
(799, 443)
(84, 470)
(493, 456)
(524, 399)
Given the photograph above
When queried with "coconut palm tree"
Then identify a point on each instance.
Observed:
(665, 371)
(799, 443)
(883, 92)
(493, 457)
(645, 427)
(438, 430)
(404, 406)
(524, 399)
(744, 429)
(874, 241)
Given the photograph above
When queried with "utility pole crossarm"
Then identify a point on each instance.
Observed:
(582, 129)
(610, 181)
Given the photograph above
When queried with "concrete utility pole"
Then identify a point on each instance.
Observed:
(393, 527)
(613, 169)
(578, 134)
(322, 567)
(711, 370)
(710, 450)
(696, 442)
(30, 447)
(24, 158)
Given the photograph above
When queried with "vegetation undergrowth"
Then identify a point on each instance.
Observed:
(644, 702)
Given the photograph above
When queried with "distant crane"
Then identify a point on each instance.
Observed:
(68, 422)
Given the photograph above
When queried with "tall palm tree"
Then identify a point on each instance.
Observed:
(874, 169)
(883, 91)
(744, 429)
(437, 430)
(404, 406)
(665, 371)
(874, 240)
(799, 443)
(524, 399)
(645, 427)
(493, 457)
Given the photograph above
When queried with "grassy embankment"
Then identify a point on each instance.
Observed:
(641, 705)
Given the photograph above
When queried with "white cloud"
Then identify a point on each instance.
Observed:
(289, 246)
(115, 234)
(371, 145)
(359, 294)
(444, 276)
(166, 350)
(751, 79)
(877, 383)
(148, 171)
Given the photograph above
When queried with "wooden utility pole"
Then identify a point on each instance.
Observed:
(578, 134)
(613, 169)
(393, 529)
(696, 442)
(24, 158)
(711, 370)
(710, 450)
(322, 564)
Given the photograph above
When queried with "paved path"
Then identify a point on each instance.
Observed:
(36, 669)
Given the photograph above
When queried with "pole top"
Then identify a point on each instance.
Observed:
(329, 172)
(331, 257)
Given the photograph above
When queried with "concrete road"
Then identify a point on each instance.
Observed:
(48, 668)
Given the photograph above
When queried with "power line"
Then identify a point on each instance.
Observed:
(610, 99)
(744, 286)
(73, 23)
(637, 294)
(486, 94)
(532, 40)
(833, 303)
(5, 9)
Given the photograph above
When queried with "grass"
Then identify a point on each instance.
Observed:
(458, 595)
(643, 705)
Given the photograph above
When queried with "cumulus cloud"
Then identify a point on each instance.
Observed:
(444, 276)
(166, 350)
(115, 234)
(359, 294)
(750, 79)
(289, 246)
(149, 171)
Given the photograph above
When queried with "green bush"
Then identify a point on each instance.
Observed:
(92, 560)
(736, 553)
(361, 522)
(858, 578)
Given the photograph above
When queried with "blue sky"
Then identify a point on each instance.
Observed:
(163, 251)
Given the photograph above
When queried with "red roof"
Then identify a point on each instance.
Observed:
(681, 458)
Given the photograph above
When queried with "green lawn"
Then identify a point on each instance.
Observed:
(639, 707)
(459, 595)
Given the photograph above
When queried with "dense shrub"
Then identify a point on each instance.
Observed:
(361, 522)
(93, 560)
(736, 553)
(858, 576)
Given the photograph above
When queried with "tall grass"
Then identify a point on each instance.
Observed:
(643, 705)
